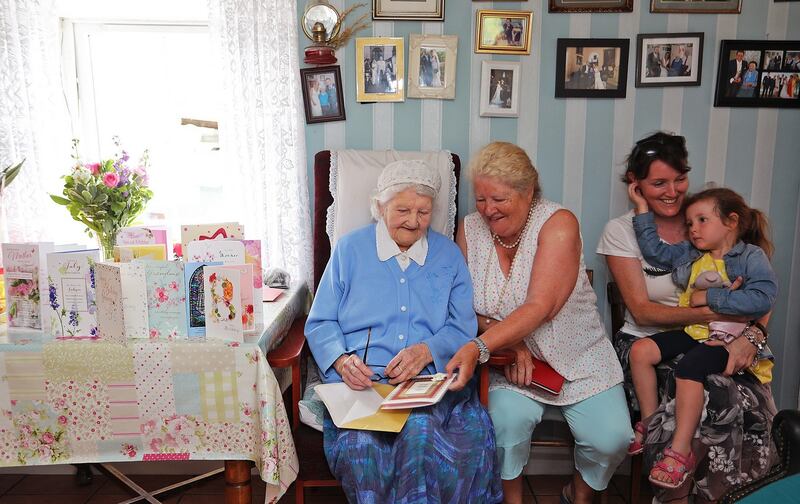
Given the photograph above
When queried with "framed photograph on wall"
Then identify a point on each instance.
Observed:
(590, 6)
(379, 69)
(591, 68)
(500, 88)
(432, 66)
(758, 73)
(503, 31)
(423, 10)
(697, 6)
(669, 59)
(323, 100)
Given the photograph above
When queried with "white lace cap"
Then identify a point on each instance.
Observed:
(409, 171)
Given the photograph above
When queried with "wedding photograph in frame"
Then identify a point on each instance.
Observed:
(591, 68)
(669, 59)
(590, 6)
(379, 69)
(500, 88)
(322, 94)
(432, 66)
(503, 31)
(758, 73)
(696, 6)
(407, 10)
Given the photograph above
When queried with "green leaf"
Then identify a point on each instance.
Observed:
(59, 200)
(10, 173)
(87, 196)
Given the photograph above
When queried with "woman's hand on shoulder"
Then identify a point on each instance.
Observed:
(521, 371)
(465, 360)
(353, 371)
(408, 363)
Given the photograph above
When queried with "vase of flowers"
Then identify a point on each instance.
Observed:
(107, 195)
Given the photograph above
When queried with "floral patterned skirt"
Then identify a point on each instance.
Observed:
(732, 444)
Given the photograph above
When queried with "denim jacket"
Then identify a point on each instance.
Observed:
(753, 299)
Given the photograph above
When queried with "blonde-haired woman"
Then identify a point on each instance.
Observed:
(532, 295)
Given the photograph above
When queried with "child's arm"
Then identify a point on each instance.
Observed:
(756, 296)
(654, 251)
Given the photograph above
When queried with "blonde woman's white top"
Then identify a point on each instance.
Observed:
(574, 342)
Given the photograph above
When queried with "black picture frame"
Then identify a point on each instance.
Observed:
(335, 113)
(693, 56)
(696, 6)
(777, 72)
(559, 6)
(575, 82)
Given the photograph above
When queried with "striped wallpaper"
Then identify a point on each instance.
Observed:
(578, 145)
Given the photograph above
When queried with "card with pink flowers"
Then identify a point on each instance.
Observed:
(223, 303)
(252, 255)
(140, 235)
(25, 274)
(166, 299)
(248, 295)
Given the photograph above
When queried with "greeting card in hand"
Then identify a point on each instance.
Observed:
(203, 232)
(195, 298)
(71, 310)
(224, 251)
(223, 298)
(25, 273)
(166, 298)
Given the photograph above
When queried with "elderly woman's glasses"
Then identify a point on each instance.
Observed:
(377, 376)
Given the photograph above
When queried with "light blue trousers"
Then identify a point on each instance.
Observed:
(600, 425)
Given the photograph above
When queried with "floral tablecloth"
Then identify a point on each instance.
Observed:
(89, 401)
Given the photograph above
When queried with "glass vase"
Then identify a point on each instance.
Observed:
(107, 242)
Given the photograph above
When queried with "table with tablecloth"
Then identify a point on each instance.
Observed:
(75, 401)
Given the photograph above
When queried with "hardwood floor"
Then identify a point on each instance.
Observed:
(63, 489)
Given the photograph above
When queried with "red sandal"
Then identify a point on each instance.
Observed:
(637, 447)
(676, 474)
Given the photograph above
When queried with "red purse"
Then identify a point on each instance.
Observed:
(546, 378)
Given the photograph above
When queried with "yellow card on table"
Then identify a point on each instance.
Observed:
(360, 409)
(127, 253)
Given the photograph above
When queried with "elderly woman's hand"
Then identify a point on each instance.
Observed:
(354, 372)
(521, 371)
(408, 363)
(465, 360)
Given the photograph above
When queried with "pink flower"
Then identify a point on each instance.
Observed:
(156, 444)
(131, 453)
(154, 333)
(94, 168)
(45, 451)
(161, 295)
(173, 285)
(48, 438)
(111, 180)
(148, 427)
(62, 420)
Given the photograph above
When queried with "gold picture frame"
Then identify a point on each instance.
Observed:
(380, 69)
(503, 31)
(408, 10)
(432, 66)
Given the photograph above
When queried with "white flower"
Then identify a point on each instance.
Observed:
(81, 175)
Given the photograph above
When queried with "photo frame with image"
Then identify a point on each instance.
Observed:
(323, 97)
(669, 59)
(405, 10)
(432, 66)
(758, 73)
(697, 6)
(503, 31)
(590, 6)
(591, 68)
(500, 88)
(380, 70)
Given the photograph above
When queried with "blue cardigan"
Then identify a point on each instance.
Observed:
(429, 304)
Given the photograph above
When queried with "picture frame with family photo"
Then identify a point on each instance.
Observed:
(758, 73)
(380, 70)
(669, 59)
(499, 92)
(323, 98)
(432, 66)
(503, 31)
(591, 68)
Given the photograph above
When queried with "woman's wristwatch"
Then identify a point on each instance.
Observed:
(483, 355)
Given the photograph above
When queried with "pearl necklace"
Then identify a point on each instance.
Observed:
(521, 234)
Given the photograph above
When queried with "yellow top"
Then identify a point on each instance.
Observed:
(705, 263)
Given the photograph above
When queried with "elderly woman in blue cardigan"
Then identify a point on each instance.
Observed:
(405, 291)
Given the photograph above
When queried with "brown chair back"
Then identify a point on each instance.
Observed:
(617, 307)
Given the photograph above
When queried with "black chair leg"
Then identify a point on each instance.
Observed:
(83, 474)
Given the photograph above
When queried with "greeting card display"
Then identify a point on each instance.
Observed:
(195, 298)
(110, 311)
(127, 253)
(166, 298)
(224, 251)
(223, 303)
(25, 274)
(139, 235)
(247, 295)
(71, 309)
(252, 255)
(203, 232)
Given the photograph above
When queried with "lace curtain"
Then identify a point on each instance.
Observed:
(261, 133)
(32, 118)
